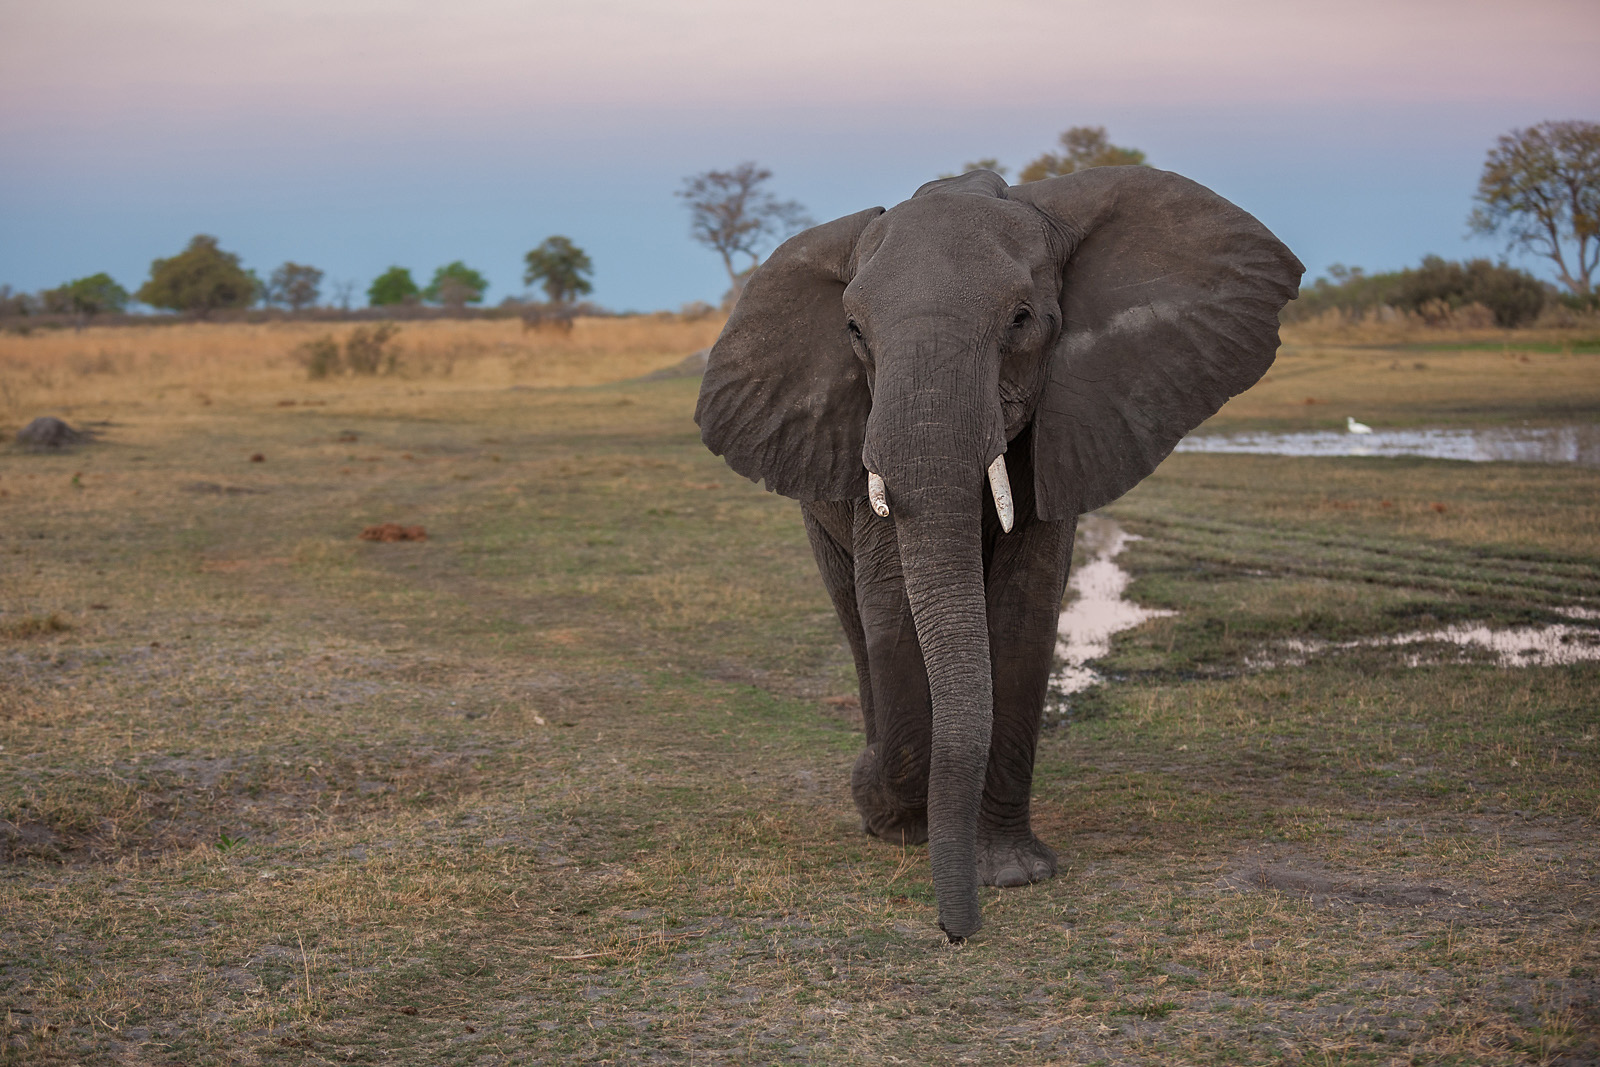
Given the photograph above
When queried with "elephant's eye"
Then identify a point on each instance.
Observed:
(857, 341)
(1021, 318)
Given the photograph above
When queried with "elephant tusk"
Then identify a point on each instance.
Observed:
(877, 496)
(1000, 486)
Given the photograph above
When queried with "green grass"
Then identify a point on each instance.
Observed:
(568, 782)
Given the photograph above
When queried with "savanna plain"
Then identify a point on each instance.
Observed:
(568, 780)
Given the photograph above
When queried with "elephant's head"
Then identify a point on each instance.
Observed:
(1112, 311)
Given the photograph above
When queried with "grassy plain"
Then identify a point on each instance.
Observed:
(567, 782)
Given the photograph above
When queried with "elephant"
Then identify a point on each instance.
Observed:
(1040, 346)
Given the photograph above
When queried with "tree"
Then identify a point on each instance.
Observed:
(1083, 147)
(393, 286)
(455, 285)
(560, 266)
(15, 303)
(1541, 188)
(294, 286)
(730, 212)
(986, 163)
(199, 279)
(86, 297)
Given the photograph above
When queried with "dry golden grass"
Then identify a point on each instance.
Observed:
(1335, 329)
(104, 367)
(1435, 378)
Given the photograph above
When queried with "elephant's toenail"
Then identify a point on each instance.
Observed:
(1008, 877)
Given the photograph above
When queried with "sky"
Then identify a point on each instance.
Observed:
(353, 135)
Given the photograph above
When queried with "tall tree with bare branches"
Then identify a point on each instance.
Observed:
(1540, 187)
(732, 213)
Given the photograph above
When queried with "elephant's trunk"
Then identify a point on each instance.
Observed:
(934, 429)
(941, 543)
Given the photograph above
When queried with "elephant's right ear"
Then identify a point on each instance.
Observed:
(784, 398)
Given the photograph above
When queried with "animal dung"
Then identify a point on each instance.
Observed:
(257, 457)
(393, 531)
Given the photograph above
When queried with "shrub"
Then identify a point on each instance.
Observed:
(1439, 291)
(320, 356)
(366, 351)
(1513, 296)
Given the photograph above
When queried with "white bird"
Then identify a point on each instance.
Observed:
(1356, 427)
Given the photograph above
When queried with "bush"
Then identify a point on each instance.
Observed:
(1513, 296)
(1440, 291)
(320, 357)
(366, 350)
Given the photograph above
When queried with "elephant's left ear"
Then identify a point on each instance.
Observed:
(1170, 299)
(784, 397)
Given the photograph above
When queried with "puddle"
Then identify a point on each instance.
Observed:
(1555, 645)
(1557, 444)
(1099, 611)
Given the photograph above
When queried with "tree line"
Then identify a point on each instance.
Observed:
(204, 278)
(1539, 189)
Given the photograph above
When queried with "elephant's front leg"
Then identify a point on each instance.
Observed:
(1027, 577)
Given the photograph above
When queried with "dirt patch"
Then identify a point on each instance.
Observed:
(393, 531)
(1328, 888)
(28, 840)
(229, 566)
(218, 489)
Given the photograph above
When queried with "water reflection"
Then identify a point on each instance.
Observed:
(1551, 444)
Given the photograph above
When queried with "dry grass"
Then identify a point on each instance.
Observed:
(568, 781)
(1411, 330)
(102, 369)
(1435, 378)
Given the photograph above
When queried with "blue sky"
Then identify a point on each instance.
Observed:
(356, 134)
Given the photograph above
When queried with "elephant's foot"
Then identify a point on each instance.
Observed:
(1014, 860)
(885, 813)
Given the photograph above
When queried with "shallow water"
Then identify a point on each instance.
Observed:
(1553, 444)
(1099, 611)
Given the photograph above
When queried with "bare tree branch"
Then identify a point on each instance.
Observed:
(1540, 187)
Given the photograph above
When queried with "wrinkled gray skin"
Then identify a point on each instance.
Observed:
(1081, 326)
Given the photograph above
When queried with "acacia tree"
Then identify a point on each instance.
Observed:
(560, 267)
(732, 213)
(1540, 187)
(1082, 147)
(199, 279)
(294, 285)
